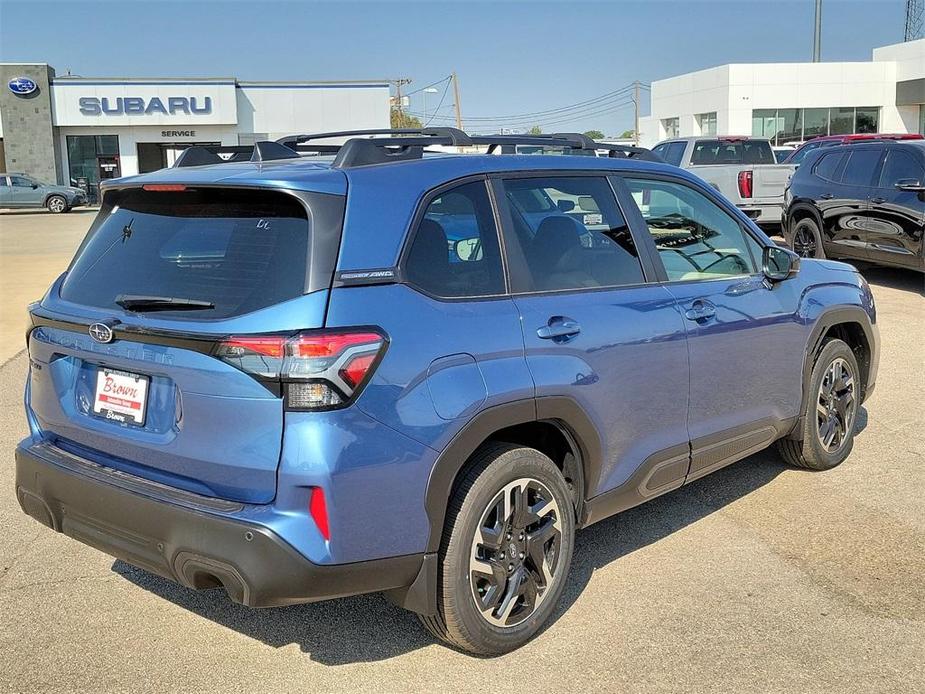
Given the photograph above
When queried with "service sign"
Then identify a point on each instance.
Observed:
(178, 103)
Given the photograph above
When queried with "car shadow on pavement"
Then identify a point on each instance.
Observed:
(369, 628)
(894, 278)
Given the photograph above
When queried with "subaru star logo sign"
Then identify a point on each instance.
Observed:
(101, 332)
(22, 86)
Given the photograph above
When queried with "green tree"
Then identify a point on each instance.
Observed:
(535, 130)
(628, 133)
(594, 134)
(400, 119)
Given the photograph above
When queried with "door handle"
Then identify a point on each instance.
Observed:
(827, 196)
(559, 328)
(877, 201)
(700, 310)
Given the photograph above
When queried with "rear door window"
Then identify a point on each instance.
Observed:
(240, 250)
(899, 166)
(827, 166)
(455, 251)
(675, 153)
(859, 171)
(571, 233)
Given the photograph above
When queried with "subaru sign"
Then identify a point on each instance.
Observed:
(22, 86)
(139, 106)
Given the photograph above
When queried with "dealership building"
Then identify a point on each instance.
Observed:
(83, 130)
(789, 102)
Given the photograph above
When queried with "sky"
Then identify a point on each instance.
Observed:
(514, 60)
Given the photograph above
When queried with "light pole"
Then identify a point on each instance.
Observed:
(425, 92)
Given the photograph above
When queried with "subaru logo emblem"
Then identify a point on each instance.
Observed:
(22, 86)
(101, 332)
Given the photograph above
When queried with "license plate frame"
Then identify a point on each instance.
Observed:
(121, 396)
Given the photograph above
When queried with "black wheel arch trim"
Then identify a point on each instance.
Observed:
(561, 411)
(837, 315)
(802, 206)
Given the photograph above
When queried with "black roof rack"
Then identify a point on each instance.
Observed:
(378, 146)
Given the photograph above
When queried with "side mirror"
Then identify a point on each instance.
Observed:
(778, 263)
(566, 205)
(468, 249)
(34, 186)
(911, 185)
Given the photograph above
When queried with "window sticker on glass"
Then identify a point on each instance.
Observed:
(590, 219)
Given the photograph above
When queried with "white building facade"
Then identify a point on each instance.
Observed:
(104, 128)
(789, 102)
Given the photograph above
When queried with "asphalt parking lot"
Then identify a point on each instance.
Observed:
(758, 578)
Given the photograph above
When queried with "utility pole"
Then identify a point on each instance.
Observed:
(817, 34)
(398, 100)
(456, 99)
(636, 109)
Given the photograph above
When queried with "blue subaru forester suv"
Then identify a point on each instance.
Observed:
(300, 371)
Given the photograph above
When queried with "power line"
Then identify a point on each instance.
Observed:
(596, 101)
(554, 121)
(442, 97)
(565, 117)
(428, 86)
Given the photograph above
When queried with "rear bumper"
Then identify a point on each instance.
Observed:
(183, 537)
(762, 213)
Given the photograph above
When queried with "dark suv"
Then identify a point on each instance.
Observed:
(860, 202)
(300, 378)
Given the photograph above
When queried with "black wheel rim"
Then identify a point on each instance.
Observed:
(835, 405)
(804, 242)
(514, 556)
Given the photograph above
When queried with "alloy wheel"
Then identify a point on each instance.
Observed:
(836, 405)
(56, 204)
(804, 242)
(515, 552)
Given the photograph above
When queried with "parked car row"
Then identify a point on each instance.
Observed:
(864, 200)
(19, 190)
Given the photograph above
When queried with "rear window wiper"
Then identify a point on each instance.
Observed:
(135, 302)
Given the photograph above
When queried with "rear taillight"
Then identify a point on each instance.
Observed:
(315, 371)
(745, 184)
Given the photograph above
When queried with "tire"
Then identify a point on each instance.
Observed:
(812, 451)
(806, 239)
(56, 204)
(479, 499)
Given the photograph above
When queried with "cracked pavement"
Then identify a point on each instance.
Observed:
(757, 578)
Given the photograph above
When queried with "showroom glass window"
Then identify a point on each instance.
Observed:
(707, 123)
(83, 153)
(671, 127)
(782, 125)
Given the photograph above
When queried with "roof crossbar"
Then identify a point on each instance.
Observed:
(200, 155)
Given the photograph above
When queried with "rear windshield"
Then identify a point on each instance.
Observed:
(708, 152)
(240, 250)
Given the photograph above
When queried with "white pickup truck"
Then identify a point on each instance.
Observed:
(741, 168)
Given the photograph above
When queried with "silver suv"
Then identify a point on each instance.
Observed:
(20, 190)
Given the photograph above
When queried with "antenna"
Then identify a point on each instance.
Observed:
(914, 20)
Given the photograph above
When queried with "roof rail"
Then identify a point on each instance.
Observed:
(379, 146)
(458, 137)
